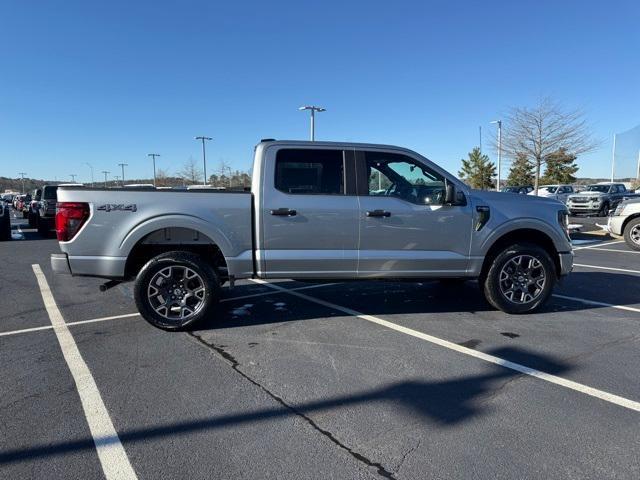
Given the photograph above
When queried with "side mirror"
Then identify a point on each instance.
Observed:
(450, 194)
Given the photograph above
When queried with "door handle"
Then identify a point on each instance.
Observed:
(283, 212)
(378, 213)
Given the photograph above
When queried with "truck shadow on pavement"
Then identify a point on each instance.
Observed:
(438, 404)
(398, 298)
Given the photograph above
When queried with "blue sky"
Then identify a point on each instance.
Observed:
(109, 82)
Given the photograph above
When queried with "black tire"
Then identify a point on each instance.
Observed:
(604, 210)
(491, 284)
(149, 273)
(5, 227)
(631, 232)
(25, 214)
(32, 220)
(43, 227)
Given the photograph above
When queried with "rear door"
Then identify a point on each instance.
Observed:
(405, 228)
(309, 213)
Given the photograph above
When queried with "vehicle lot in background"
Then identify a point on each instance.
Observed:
(294, 384)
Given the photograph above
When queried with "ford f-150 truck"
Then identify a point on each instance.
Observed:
(320, 211)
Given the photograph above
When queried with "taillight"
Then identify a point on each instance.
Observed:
(70, 216)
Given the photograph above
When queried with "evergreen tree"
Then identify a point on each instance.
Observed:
(478, 171)
(561, 168)
(521, 171)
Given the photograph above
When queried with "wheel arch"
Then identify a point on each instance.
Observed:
(521, 235)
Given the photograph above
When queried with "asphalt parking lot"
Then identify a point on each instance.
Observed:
(302, 380)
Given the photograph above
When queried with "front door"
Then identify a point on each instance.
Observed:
(309, 213)
(406, 230)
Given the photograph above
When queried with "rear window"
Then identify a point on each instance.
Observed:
(310, 172)
(50, 193)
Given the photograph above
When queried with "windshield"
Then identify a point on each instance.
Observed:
(510, 189)
(550, 188)
(597, 188)
(50, 193)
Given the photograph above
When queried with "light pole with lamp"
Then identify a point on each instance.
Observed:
(153, 155)
(499, 122)
(313, 110)
(204, 157)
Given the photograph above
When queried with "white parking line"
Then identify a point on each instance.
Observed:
(599, 245)
(68, 324)
(262, 294)
(113, 458)
(563, 382)
(599, 304)
(612, 250)
(606, 268)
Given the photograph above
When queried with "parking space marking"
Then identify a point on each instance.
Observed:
(606, 268)
(563, 382)
(598, 245)
(262, 294)
(599, 304)
(612, 250)
(111, 453)
(68, 324)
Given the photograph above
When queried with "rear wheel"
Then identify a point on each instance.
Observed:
(176, 290)
(632, 233)
(520, 279)
(5, 226)
(43, 227)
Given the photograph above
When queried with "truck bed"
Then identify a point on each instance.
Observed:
(122, 218)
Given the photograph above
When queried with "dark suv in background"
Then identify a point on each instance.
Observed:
(46, 212)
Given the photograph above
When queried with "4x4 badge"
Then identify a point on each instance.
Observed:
(110, 207)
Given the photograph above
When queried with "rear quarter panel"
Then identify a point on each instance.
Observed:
(119, 219)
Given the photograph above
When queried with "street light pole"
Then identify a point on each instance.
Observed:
(499, 122)
(91, 167)
(105, 177)
(22, 174)
(613, 158)
(153, 155)
(204, 157)
(313, 110)
(122, 165)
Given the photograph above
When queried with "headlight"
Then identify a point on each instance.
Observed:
(619, 210)
(563, 220)
(595, 199)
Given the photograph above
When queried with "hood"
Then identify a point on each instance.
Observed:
(588, 194)
(514, 199)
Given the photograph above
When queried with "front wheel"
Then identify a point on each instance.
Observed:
(632, 233)
(520, 279)
(176, 290)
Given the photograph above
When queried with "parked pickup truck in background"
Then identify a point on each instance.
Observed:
(625, 221)
(598, 199)
(320, 211)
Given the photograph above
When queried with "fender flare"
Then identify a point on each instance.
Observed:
(523, 224)
(137, 233)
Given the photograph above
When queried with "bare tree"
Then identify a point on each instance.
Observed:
(191, 171)
(539, 132)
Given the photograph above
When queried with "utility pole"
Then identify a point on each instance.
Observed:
(91, 167)
(613, 158)
(116, 177)
(153, 155)
(638, 171)
(313, 110)
(105, 177)
(480, 130)
(499, 122)
(122, 165)
(204, 157)
(73, 177)
(22, 174)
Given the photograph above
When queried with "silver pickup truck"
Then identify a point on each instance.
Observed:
(316, 210)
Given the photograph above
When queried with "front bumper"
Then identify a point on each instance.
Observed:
(614, 225)
(60, 264)
(589, 207)
(566, 263)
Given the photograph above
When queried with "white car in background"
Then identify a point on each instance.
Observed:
(557, 192)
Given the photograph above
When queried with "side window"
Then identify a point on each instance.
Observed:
(310, 172)
(396, 175)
